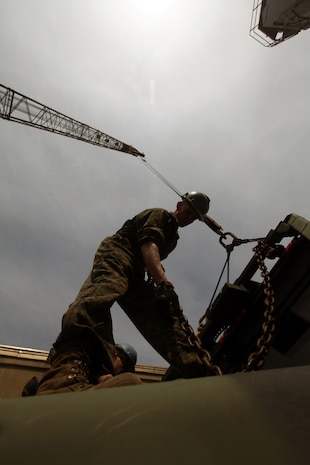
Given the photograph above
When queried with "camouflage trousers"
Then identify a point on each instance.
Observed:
(112, 279)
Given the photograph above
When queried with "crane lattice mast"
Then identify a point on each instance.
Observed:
(21, 109)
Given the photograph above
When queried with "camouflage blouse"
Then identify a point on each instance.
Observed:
(153, 225)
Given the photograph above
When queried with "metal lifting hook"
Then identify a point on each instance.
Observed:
(217, 228)
(236, 241)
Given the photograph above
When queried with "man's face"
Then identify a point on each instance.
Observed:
(118, 365)
(185, 214)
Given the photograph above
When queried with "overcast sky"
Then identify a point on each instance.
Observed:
(183, 82)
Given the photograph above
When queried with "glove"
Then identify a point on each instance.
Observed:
(164, 292)
(165, 285)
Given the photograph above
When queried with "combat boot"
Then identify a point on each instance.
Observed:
(70, 371)
(187, 363)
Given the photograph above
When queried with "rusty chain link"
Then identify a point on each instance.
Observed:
(257, 359)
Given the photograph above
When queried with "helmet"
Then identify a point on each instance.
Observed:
(199, 201)
(128, 355)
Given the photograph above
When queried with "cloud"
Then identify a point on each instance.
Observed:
(228, 117)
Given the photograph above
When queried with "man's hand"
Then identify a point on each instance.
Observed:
(165, 286)
(164, 292)
(104, 378)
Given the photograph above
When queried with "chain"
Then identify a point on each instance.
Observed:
(257, 359)
(195, 342)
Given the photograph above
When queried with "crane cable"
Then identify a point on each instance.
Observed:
(160, 176)
(210, 222)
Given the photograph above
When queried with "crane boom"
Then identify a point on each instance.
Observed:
(21, 109)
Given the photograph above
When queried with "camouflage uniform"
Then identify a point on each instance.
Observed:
(118, 275)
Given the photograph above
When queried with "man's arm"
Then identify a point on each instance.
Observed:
(151, 257)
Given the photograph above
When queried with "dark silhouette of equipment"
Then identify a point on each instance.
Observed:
(238, 328)
(21, 109)
(274, 21)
